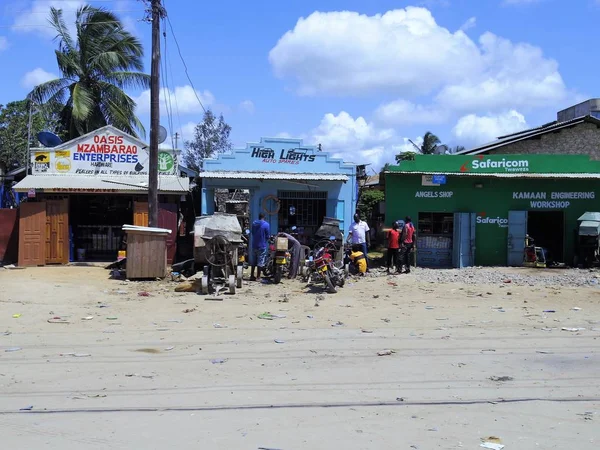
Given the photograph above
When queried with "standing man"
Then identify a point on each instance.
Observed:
(295, 249)
(260, 245)
(393, 248)
(359, 235)
(407, 244)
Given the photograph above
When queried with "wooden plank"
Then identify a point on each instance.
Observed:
(32, 227)
(57, 231)
(140, 214)
(167, 218)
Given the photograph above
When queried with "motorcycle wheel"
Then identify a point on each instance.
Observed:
(330, 287)
(277, 274)
(341, 281)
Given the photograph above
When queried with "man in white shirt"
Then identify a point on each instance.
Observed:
(359, 235)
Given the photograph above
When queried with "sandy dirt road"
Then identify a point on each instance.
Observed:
(219, 377)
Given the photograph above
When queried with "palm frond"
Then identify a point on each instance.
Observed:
(58, 23)
(50, 89)
(129, 80)
(83, 102)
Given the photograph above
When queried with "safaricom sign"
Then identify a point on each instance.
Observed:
(521, 165)
(500, 221)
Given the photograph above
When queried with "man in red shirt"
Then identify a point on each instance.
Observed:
(406, 244)
(393, 247)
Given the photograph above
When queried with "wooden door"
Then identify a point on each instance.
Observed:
(140, 214)
(32, 227)
(57, 231)
(167, 218)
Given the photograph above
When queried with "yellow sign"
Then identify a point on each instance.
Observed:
(42, 157)
(62, 153)
(63, 165)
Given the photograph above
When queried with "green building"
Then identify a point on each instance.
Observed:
(477, 210)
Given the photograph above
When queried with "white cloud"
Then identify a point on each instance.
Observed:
(35, 19)
(182, 99)
(35, 77)
(406, 52)
(470, 23)
(474, 130)
(403, 112)
(325, 53)
(516, 75)
(356, 140)
(3, 43)
(247, 106)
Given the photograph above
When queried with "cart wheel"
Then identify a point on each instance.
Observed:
(204, 285)
(232, 284)
(346, 270)
(240, 275)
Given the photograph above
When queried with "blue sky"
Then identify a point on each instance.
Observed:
(359, 79)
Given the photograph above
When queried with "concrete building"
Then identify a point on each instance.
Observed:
(575, 132)
(292, 183)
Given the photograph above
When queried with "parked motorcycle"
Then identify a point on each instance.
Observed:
(323, 270)
(279, 259)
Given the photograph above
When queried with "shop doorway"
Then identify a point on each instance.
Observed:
(57, 231)
(32, 233)
(96, 223)
(547, 228)
(304, 210)
(434, 239)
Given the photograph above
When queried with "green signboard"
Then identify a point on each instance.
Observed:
(487, 164)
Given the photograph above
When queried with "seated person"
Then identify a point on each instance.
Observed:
(358, 259)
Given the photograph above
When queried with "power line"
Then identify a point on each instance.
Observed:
(184, 64)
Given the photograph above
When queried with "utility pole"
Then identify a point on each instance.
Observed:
(176, 140)
(157, 13)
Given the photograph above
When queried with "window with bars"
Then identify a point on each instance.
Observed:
(305, 210)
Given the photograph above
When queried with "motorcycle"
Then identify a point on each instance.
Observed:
(322, 269)
(279, 259)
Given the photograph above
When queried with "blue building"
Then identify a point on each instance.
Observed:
(293, 184)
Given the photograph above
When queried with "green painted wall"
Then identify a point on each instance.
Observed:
(405, 195)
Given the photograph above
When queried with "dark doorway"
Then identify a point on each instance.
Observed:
(547, 228)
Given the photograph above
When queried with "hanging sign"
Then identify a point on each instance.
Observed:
(31, 193)
(107, 152)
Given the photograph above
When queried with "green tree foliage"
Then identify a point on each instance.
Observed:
(211, 137)
(405, 156)
(430, 143)
(96, 66)
(14, 121)
(369, 199)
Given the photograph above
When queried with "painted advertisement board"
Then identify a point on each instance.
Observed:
(486, 164)
(107, 151)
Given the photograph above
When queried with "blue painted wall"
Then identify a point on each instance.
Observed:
(273, 155)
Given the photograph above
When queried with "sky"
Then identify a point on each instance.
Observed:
(360, 78)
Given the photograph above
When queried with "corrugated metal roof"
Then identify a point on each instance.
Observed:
(82, 183)
(504, 175)
(227, 174)
(526, 134)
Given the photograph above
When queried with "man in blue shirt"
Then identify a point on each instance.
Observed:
(260, 245)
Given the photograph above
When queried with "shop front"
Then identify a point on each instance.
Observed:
(478, 210)
(292, 184)
(81, 193)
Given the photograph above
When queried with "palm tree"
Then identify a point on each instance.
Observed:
(430, 143)
(95, 67)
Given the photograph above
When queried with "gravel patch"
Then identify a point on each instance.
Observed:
(508, 276)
